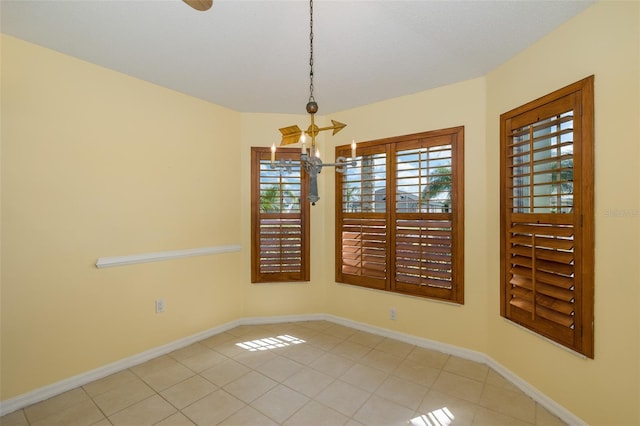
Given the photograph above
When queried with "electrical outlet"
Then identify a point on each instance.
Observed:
(159, 306)
(393, 314)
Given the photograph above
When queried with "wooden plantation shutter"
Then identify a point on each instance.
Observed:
(399, 215)
(362, 221)
(547, 216)
(279, 218)
(428, 216)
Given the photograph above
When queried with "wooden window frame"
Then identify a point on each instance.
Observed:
(516, 225)
(385, 225)
(303, 274)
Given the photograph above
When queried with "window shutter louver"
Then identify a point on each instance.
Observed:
(423, 255)
(364, 244)
(279, 219)
(542, 275)
(280, 244)
(546, 283)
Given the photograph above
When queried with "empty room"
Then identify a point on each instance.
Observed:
(325, 212)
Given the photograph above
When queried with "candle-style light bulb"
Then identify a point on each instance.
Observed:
(317, 152)
(303, 140)
(353, 149)
(273, 155)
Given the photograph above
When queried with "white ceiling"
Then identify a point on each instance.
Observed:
(253, 55)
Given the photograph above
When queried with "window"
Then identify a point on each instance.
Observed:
(279, 218)
(547, 216)
(400, 214)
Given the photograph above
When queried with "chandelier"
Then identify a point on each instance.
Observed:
(310, 160)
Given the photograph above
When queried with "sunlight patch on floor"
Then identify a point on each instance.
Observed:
(268, 343)
(440, 417)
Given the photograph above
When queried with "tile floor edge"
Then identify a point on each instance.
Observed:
(469, 354)
(29, 398)
(21, 401)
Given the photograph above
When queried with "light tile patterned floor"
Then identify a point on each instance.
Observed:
(308, 373)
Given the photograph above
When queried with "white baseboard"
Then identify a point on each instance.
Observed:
(413, 340)
(46, 392)
(542, 399)
(65, 385)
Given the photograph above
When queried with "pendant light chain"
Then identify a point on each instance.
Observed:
(311, 161)
(311, 99)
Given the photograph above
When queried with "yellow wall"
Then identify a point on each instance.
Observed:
(604, 41)
(95, 164)
(98, 164)
(461, 104)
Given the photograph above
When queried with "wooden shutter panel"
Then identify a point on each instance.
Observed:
(542, 275)
(541, 232)
(280, 218)
(281, 244)
(423, 258)
(364, 244)
(361, 222)
(425, 216)
(546, 196)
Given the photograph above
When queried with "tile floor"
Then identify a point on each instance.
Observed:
(308, 373)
